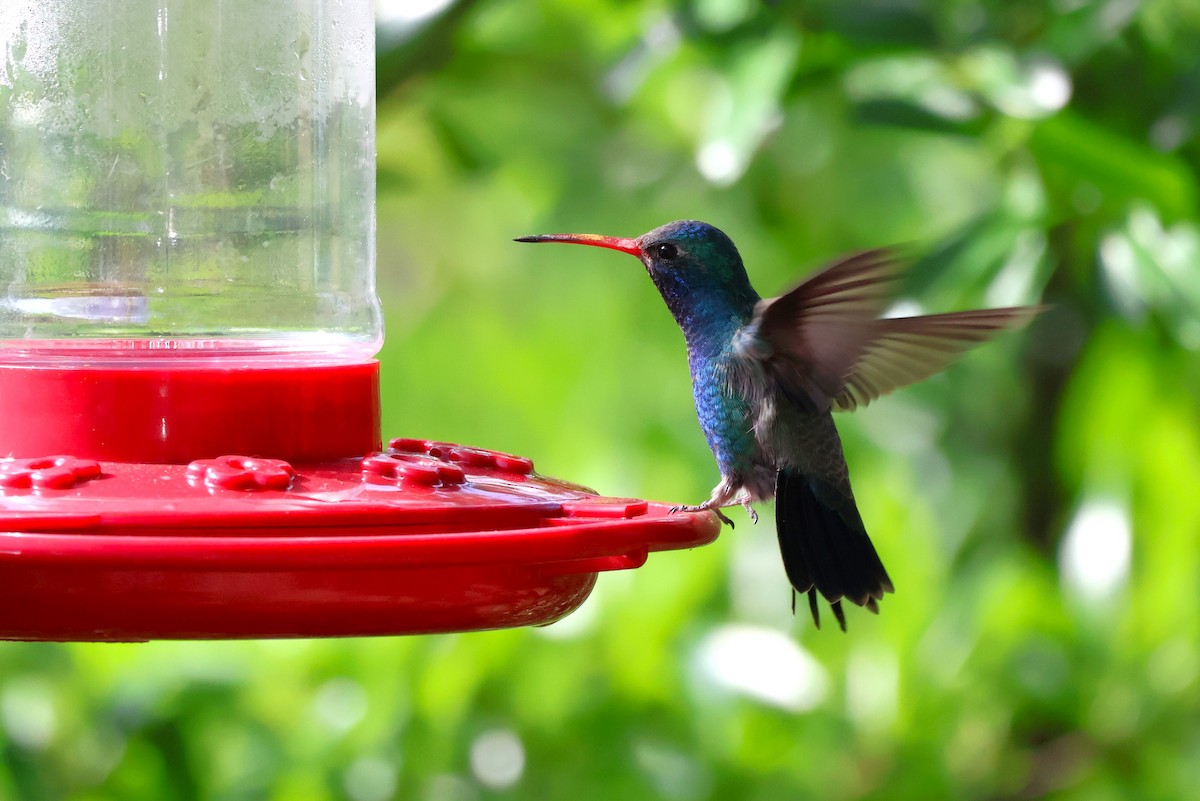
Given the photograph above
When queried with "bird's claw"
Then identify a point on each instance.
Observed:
(708, 506)
(704, 507)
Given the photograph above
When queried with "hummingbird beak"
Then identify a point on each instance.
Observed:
(629, 246)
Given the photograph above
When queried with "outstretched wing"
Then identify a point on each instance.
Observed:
(905, 350)
(824, 344)
(811, 337)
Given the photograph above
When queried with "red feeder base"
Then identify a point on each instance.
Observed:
(421, 537)
(425, 537)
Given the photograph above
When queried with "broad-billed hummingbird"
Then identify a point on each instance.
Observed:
(766, 375)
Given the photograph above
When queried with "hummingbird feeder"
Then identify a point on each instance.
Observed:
(190, 442)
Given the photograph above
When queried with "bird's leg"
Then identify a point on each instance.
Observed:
(724, 494)
(745, 500)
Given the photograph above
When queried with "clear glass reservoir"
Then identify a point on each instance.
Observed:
(187, 178)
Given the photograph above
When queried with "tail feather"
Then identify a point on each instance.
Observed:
(825, 546)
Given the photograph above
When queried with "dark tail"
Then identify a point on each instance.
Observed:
(825, 546)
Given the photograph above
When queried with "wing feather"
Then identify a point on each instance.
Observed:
(825, 345)
(909, 349)
(812, 335)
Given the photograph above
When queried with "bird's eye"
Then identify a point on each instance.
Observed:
(665, 251)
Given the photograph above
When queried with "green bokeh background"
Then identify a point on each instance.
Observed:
(1036, 505)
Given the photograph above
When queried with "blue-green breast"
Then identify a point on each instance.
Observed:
(726, 418)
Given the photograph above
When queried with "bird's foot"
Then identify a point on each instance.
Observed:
(705, 507)
(750, 511)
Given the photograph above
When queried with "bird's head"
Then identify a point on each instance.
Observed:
(683, 247)
(692, 263)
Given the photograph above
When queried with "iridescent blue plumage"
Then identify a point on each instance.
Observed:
(712, 300)
(725, 417)
(767, 374)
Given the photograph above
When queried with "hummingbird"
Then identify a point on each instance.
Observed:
(767, 375)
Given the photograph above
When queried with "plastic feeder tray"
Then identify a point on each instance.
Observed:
(402, 542)
(419, 537)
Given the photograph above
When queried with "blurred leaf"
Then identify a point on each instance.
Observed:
(901, 114)
(877, 23)
(1069, 148)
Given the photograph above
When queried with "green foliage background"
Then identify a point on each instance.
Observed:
(1026, 150)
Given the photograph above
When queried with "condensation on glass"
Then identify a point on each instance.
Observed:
(187, 179)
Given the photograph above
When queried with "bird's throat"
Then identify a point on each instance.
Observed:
(708, 314)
